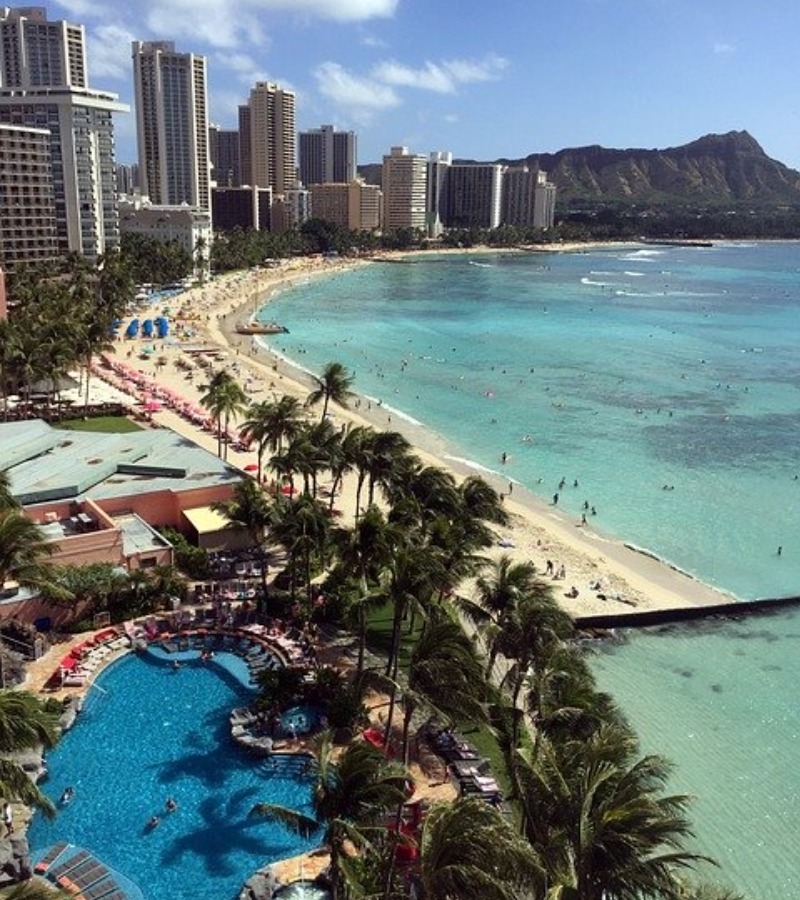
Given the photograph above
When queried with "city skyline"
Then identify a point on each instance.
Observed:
(482, 81)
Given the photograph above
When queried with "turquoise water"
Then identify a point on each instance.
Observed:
(148, 733)
(629, 370)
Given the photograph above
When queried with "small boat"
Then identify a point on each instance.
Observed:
(260, 328)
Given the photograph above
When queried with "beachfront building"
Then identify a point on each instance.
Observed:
(241, 207)
(355, 206)
(43, 84)
(189, 226)
(223, 149)
(326, 156)
(292, 208)
(27, 200)
(172, 124)
(528, 198)
(100, 497)
(471, 196)
(404, 179)
(267, 138)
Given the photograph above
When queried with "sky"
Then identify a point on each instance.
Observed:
(484, 79)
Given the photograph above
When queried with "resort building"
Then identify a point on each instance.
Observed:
(292, 208)
(188, 226)
(471, 196)
(267, 138)
(223, 149)
(44, 85)
(172, 124)
(355, 206)
(528, 198)
(27, 200)
(326, 156)
(241, 207)
(99, 497)
(404, 182)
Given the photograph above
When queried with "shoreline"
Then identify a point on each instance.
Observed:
(630, 577)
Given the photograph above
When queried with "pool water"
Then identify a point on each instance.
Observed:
(149, 732)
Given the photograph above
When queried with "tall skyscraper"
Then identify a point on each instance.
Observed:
(44, 85)
(404, 180)
(27, 204)
(267, 138)
(472, 196)
(528, 198)
(172, 124)
(326, 156)
(223, 150)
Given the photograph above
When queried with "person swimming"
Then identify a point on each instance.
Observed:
(153, 822)
(68, 794)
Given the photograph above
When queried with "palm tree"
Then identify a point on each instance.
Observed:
(600, 821)
(25, 724)
(445, 674)
(468, 851)
(223, 398)
(498, 592)
(351, 798)
(269, 423)
(250, 508)
(366, 550)
(35, 889)
(23, 549)
(333, 385)
(7, 500)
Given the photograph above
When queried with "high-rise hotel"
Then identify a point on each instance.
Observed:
(43, 85)
(267, 138)
(172, 124)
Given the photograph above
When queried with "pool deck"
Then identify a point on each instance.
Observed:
(425, 768)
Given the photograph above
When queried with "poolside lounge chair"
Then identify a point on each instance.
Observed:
(50, 857)
(72, 862)
(101, 890)
(85, 875)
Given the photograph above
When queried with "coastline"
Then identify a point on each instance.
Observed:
(630, 578)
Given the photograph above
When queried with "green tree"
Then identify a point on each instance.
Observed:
(332, 386)
(224, 398)
(468, 851)
(351, 799)
(25, 724)
(23, 549)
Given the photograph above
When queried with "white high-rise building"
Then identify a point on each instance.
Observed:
(172, 124)
(43, 85)
(267, 137)
(404, 181)
(438, 166)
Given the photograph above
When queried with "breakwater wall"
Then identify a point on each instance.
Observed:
(735, 609)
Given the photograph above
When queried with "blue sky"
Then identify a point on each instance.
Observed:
(488, 79)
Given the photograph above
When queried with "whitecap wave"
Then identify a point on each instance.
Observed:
(586, 280)
(392, 410)
(470, 463)
(635, 274)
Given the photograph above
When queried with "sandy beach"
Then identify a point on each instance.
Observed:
(609, 576)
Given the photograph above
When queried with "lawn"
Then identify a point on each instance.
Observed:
(106, 424)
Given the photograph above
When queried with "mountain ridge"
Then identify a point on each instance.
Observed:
(729, 169)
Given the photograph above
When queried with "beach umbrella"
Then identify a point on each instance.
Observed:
(251, 467)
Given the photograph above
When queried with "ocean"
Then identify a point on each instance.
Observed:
(662, 384)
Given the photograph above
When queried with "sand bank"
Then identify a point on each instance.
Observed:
(608, 575)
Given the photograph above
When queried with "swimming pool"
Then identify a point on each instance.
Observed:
(149, 732)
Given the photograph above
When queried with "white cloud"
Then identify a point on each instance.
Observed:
(109, 52)
(451, 118)
(360, 96)
(370, 41)
(77, 9)
(235, 23)
(722, 48)
(443, 77)
(244, 66)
